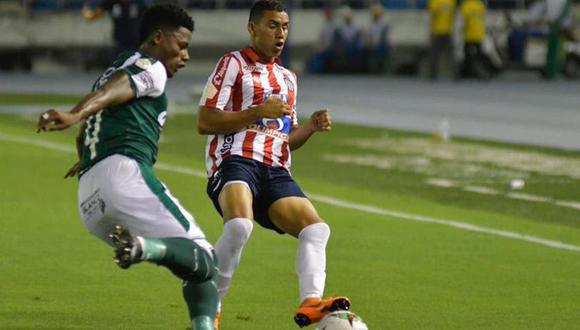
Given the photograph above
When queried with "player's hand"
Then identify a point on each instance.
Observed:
(53, 120)
(73, 171)
(321, 121)
(274, 107)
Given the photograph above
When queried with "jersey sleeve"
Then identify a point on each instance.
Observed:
(218, 89)
(148, 79)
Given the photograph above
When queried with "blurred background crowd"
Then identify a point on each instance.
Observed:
(432, 39)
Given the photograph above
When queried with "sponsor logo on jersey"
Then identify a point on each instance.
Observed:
(146, 79)
(143, 63)
(220, 72)
(228, 142)
(282, 132)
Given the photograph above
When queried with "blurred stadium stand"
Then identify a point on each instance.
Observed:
(55, 30)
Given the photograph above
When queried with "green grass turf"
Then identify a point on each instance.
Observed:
(399, 274)
(37, 99)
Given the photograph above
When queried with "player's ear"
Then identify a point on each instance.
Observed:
(252, 29)
(157, 37)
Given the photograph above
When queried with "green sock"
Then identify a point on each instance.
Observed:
(202, 300)
(202, 323)
(152, 249)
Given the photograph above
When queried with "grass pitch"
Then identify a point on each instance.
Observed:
(399, 274)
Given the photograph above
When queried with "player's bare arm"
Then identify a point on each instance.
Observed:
(79, 142)
(320, 121)
(116, 91)
(215, 121)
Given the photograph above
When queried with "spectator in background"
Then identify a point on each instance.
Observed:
(378, 40)
(557, 14)
(472, 17)
(125, 15)
(350, 43)
(442, 14)
(323, 59)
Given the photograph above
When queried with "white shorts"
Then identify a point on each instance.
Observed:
(120, 191)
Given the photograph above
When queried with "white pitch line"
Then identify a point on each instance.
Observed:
(480, 190)
(337, 202)
(530, 198)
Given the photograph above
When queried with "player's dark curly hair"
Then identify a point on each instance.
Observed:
(263, 5)
(164, 16)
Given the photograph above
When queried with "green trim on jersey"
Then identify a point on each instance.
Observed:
(159, 190)
(131, 129)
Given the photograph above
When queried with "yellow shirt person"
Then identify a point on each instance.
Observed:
(473, 12)
(442, 13)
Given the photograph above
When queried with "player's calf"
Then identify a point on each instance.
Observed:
(182, 256)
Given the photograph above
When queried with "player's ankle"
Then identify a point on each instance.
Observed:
(148, 249)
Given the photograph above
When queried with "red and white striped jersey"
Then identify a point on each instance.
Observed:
(239, 82)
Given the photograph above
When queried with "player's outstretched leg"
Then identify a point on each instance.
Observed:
(184, 258)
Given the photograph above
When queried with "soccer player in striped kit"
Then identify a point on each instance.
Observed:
(248, 111)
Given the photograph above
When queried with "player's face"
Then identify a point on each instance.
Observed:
(269, 33)
(174, 49)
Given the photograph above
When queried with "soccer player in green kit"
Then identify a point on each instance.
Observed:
(121, 200)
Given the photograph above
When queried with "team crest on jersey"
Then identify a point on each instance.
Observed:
(143, 63)
(279, 127)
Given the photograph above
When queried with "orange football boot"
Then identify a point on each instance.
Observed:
(312, 310)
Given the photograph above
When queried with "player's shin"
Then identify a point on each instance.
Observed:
(184, 257)
(311, 260)
(202, 300)
(229, 250)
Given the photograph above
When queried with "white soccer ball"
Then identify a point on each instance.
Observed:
(517, 184)
(341, 320)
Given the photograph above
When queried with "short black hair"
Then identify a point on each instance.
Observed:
(264, 5)
(163, 16)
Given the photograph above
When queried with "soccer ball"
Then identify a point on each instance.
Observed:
(341, 320)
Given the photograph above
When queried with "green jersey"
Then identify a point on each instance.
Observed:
(131, 129)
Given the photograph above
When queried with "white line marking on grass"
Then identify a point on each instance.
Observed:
(572, 204)
(481, 190)
(441, 183)
(336, 202)
(528, 197)
(445, 222)
(37, 142)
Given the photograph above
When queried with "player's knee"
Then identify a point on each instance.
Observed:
(205, 267)
(316, 231)
(238, 231)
